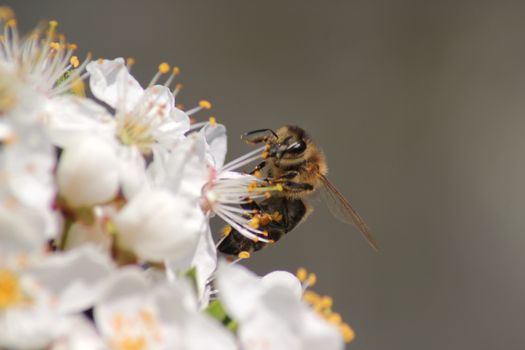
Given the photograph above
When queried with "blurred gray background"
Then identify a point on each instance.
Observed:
(420, 109)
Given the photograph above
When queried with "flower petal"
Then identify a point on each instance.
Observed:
(111, 82)
(87, 173)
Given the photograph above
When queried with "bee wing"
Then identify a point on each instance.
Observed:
(344, 211)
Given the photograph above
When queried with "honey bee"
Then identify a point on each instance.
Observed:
(292, 160)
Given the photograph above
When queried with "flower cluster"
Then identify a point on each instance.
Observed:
(105, 204)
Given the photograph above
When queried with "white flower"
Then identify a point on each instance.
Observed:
(88, 172)
(158, 225)
(145, 119)
(27, 188)
(44, 59)
(38, 293)
(135, 313)
(273, 303)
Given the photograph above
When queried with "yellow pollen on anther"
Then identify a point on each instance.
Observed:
(254, 222)
(279, 187)
(164, 68)
(267, 194)
(130, 343)
(204, 104)
(130, 61)
(53, 24)
(264, 155)
(54, 46)
(244, 255)
(74, 61)
(277, 216)
(348, 333)
(176, 70)
(213, 121)
(265, 233)
(312, 279)
(178, 87)
(11, 23)
(226, 230)
(10, 290)
(72, 46)
(271, 241)
(252, 186)
(6, 13)
(326, 302)
(334, 318)
(301, 274)
(257, 174)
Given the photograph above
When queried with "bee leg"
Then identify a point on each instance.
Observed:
(258, 167)
(258, 136)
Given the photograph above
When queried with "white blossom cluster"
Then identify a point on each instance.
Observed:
(105, 203)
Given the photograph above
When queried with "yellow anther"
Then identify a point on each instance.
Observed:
(176, 70)
(179, 106)
(10, 291)
(6, 13)
(301, 274)
(348, 333)
(74, 61)
(244, 255)
(100, 61)
(164, 68)
(312, 279)
(255, 239)
(53, 24)
(265, 233)
(254, 222)
(326, 302)
(271, 241)
(72, 46)
(257, 174)
(11, 23)
(264, 155)
(226, 230)
(213, 121)
(311, 297)
(204, 104)
(178, 87)
(278, 187)
(130, 61)
(252, 186)
(54, 45)
(335, 318)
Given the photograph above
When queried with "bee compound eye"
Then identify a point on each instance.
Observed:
(296, 147)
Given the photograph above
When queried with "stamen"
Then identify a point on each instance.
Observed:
(130, 61)
(174, 72)
(226, 230)
(175, 92)
(213, 121)
(74, 61)
(163, 69)
(244, 255)
(301, 274)
(203, 104)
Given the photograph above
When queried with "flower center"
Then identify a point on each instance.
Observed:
(131, 343)
(131, 132)
(10, 290)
